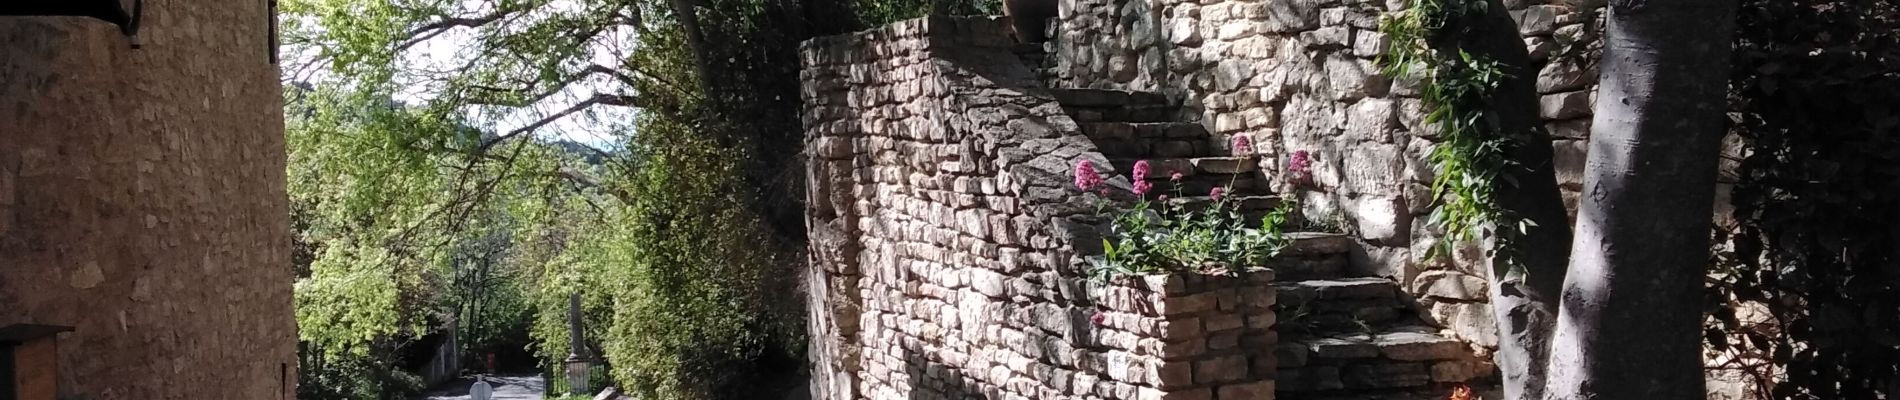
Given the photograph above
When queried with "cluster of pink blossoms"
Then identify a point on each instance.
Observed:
(1300, 164)
(1086, 178)
(1141, 178)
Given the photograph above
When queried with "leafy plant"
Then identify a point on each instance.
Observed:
(1153, 237)
(1471, 157)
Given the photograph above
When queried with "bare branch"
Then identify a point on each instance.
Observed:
(598, 99)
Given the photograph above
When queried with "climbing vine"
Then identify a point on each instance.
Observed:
(1471, 156)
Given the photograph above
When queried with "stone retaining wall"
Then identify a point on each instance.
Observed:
(944, 226)
(1299, 75)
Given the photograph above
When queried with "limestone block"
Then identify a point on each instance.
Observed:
(989, 283)
(1219, 322)
(1472, 322)
(1184, 31)
(1331, 37)
(1290, 15)
(1230, 74)
(1569, 129)
(1382, 219)
(1372, 120)
(1564, 75)
(1414, 346)
(1569, 158)
(1254, 390)
(1565, 105)
(1370, 169)
(1450, 285)
(1349, 78)
(1540, 48)
(1228, 368)
(1369, 43)
(1188, 304)
(1343, 347)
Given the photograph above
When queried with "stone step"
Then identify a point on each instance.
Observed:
(1398, 357)
(1108, 98)
(1152, 131)
(1318, 243)
(1107, 105)
(1327, 306)
(1311, 266)
(1161, 169)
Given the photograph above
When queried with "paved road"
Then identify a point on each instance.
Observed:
(507, 387)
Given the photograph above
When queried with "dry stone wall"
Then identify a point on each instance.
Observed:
(945, 238)
(1299, 75)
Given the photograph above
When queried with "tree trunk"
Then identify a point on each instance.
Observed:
(1631, 302)
(1523, 297)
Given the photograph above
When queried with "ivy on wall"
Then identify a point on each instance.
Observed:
(1472, 149)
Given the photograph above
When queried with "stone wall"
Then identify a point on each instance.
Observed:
(946, 236)
(1299, 75)
(142, 202)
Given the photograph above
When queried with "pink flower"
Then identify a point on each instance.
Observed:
(1300, 165)
(1215, 193)
(1085, 176)
(1299, 161)
(1141, 170)
(1176, 176)
(1163, 198)
(1142, 187)
(1098, 318)
(1242, 144)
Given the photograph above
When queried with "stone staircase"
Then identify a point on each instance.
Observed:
(1339, 336)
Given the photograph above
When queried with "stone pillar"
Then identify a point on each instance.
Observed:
(1191, 336)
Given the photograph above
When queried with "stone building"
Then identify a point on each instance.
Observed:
(142, 201)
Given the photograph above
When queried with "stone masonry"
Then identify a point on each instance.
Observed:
(142, 202)
(1299, 75)
(948, 242)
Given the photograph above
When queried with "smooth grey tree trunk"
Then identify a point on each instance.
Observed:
(1523, 297)
(1631, 313)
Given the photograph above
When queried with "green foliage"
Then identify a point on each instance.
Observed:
(1812, 89)
(1456, 87)
(678, 228)
(1176, 238)
(352, 377)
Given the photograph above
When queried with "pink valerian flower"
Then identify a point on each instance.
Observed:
(1098, 318)
(1140, 171)
(1216, 193)
(1176, 177)
(1242, 145)
(1162, 198)
(1085, 176)
(1300, 165)
(1142, 187)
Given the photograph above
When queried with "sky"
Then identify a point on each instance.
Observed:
(594, 127)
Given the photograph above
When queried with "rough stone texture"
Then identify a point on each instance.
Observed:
(1173, 82)
(947, 236)
(1308, 63)
(142, 201)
